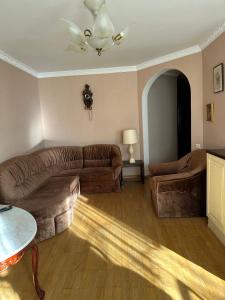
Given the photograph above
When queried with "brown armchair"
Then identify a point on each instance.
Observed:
(178, 188)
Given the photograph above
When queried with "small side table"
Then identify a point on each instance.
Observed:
(139, 164)
(17, 231)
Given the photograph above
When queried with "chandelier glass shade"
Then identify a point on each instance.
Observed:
(101, 37)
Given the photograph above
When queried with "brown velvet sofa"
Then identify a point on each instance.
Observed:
(178, 188)
(47, 182)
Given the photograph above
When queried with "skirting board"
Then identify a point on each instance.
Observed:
(216, 231)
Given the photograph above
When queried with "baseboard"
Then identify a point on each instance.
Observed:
(216, 231)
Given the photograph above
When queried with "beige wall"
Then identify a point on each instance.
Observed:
(117, 105)
(191, 66)
(213, 55)
(115, 108)
(20, 118)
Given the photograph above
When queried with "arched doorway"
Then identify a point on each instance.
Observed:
(166, 115)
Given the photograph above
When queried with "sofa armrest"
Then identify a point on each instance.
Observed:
(164, 168)
(117, 166)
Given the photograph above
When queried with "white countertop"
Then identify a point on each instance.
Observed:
(17, 229)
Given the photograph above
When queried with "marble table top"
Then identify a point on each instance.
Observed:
(17, 229)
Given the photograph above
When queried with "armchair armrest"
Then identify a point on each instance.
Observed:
(164, 168)
(182, 182)
(173, 177)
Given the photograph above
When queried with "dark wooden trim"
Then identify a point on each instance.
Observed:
(17, 257)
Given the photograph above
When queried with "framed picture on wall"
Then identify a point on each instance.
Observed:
(218, 78)
(210, 112)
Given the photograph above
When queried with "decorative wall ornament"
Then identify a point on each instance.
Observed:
(88, 100)
(101, 37)
(210, 109)
(218, 78)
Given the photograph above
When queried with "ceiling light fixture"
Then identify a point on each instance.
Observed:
(101, 37)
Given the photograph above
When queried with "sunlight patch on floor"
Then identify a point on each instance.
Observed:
(127, 248)
(4, 273)
(7, 292)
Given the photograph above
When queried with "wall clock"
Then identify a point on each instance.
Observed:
(87, 97)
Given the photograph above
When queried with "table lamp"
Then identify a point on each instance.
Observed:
(130, 138)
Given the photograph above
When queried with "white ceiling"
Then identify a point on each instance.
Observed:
(31, 30)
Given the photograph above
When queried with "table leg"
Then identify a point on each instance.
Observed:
(142, 173)
(121, 178)
(34, 251)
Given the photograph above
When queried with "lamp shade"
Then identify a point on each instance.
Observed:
(130, 137)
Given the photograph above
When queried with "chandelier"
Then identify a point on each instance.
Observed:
(101, 37)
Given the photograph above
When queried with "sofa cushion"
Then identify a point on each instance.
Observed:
(68, 172)
(97, 174)
(95, 163)
(51, 199)
(100, 155)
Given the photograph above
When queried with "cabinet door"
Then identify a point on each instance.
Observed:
(216, 191)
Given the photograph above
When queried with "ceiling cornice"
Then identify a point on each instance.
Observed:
(88, 72)
(169, 57)
(163, 59)
(220, 30)
(150, 63)
(16, 63)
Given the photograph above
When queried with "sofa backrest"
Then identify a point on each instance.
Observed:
(20, 176)
(99, 155)
(69, 157)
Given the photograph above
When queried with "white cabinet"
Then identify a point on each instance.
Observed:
(216, 195)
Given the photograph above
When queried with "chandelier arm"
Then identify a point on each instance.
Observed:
(99, 50)
(101, 37)
(87, 33)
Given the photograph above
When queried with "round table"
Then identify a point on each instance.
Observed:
(17, 232)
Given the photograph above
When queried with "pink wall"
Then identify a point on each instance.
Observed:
(191, 66)
(115, 109)
(20, 116)
(213, 55)
(117, 105)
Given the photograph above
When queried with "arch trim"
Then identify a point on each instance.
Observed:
(145, 126)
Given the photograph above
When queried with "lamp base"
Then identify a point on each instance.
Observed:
(131, 151)
(132, 161)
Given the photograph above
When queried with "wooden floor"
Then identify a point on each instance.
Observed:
(118, 249)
